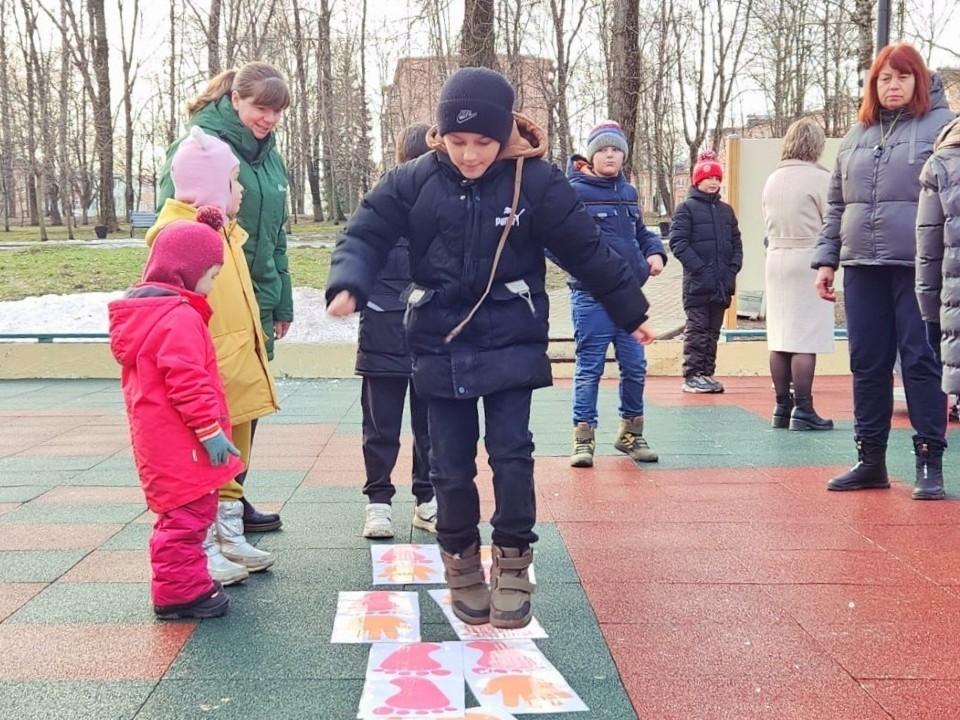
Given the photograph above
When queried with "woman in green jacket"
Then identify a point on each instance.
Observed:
(242, 107)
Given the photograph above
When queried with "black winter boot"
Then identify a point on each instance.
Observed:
(781, 412)
(929, 484)
(870, 472)
(804, 417)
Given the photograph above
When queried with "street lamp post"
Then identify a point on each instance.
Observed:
(883, 24)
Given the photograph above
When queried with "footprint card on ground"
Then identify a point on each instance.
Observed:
(414, 680)
(376, 616)
(486, 631)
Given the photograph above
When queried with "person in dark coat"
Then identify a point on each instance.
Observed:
(479, 211)
(705, 238)
(870, 229)
(383, 361)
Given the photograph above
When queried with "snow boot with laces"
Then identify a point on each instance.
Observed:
(870, 472)
(630, 440)
(584, 443)
(929, 482)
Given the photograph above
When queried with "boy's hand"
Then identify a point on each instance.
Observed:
(219, 449)
(656, 265)
(825, 283)
(645, 334)
(280, 328)
(343, 304)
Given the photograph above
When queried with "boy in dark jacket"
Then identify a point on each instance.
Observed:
(478, 212)
(612, 201)
(383, 361)
(705, 238)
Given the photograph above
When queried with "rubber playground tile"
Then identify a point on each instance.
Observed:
(36, 565)
(827, 566)
(702, 480)
(73, 700)
(21, 493)
(893, 506)
(329, 476)
(100, 477)
(82, 495)
(134, 536)
(111, 566)
(661, 565)
(274, 463)
(16, 536)
(818, 532)
(274, 478)
(329, 525)
(279, 439)
(614, 537)
(89, 652)
(71, 446)
(86, 603)
(827, 694)
(626, 601)
(15, 594)
(7, 507)
(916, 699)
(49, 513)
(242, 699)
(28, 463)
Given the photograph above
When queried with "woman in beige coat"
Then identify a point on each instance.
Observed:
(799, 322)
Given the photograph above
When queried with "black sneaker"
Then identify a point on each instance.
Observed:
(211, 604)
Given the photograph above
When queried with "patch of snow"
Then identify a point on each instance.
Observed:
(87, 313)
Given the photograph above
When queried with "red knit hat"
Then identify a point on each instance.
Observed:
(185, 249)
(707, 166)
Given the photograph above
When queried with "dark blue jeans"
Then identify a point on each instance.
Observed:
(594, 331)
(883, 317)
(382, 400)
(454, 433)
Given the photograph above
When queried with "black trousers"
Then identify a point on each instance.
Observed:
(883, 317)
(382, 400)
(700, 339)
(454, 434)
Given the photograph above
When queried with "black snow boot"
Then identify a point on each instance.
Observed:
(929, 484)
(781, 412)
(870, 472)
(804, 417)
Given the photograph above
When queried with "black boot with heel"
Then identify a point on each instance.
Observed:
(781, 412)
(804, 417)
(929, 482)
(870, 472)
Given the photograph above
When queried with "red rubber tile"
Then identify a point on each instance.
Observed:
(90, 652)
(14, 595)
(827, 566)
(55, 537)
(917, 699)
(933, 550)
(71, 446)
(820, 533)
(79, 495)
(7, 507)
(111, 566)
(659, 565)
(643, 535)
(677, 603)
(867, 508)
(825, 695)
(307, 435)
(733, 480)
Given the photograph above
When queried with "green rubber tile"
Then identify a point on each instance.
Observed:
(50, 513)
(350, 426)
(73, 700)
(289, 699)
(48, 463)
(329, 525)
(261, 493)
(120, 462)
(14, 388)
(106, 478)
(37, 565)
(134, 536)
(21, 493)
(577, 649)
(36, 477)
(88, 603)
(276, 478)
(332, 495)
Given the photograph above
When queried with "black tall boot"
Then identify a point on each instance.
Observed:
(781, 412)
(804, 417)
(929, 484)
(869, 473)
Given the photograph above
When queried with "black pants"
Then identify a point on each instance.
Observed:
(454, 433)
(382, 399)
(700, 339)
(883, 317)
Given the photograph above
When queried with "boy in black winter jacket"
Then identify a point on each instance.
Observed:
(705, 238)
(478, 212)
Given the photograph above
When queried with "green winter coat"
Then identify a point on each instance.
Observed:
(263, 212)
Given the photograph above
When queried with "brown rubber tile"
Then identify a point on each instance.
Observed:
(111, 566)
(82, 495)
(55, 537)
(14, 595)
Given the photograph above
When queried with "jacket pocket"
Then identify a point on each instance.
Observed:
(415, 296)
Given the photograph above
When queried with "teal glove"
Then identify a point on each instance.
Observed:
(219, 449)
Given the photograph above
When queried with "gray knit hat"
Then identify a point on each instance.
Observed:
(606, 134)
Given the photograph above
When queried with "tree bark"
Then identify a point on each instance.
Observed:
(328, 132)
(103, 116)
(6, 145)
(624, 93)
(477, 40)
(213, 39)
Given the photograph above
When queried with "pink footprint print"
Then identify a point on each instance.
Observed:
(416, 695)
(413, 659)
(500, 657)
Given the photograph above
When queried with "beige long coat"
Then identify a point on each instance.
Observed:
(794, 201)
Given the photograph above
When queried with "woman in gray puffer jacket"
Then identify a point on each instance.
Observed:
(869, 228)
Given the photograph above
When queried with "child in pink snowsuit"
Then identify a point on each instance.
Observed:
(177, 410)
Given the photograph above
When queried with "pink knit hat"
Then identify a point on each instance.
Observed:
(201, 170)
(185, 249)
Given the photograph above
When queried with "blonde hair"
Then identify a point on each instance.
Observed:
(258, 81)
(804, 141)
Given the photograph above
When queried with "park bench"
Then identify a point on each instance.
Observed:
(141, 219)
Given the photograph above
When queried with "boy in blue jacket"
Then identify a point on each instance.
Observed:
(478, 212)
(613, 204)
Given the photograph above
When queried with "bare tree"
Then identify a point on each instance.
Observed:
(624, 82)
(477, 39)
(307, 146)
(563, 41)
(213, 40)
(6, 145)
(127, 50)
(34, 76)
(327, 129)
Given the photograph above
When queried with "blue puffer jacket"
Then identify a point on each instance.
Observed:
(872, 201)
(454, 226)
(382, 345)
(614, 205)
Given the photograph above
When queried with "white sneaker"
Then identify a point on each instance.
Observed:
(425, 516)
(233, 544)
(379, 521)
(224, 571)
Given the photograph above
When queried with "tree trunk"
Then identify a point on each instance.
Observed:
(624, 82)
(477, 42)
(172, 77)
(306, 156)
(213, 39)
(7, 202)
(329, 133)
(129, 78)
(66, 186)
(103, 117)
